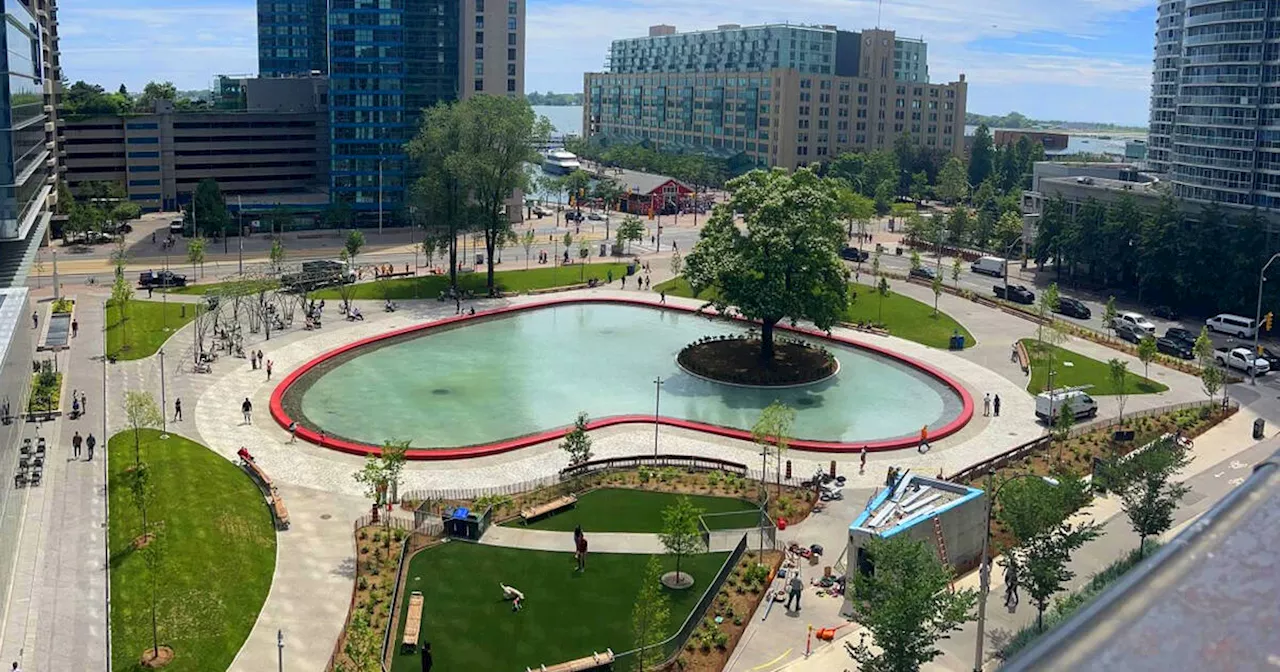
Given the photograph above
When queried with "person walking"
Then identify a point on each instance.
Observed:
(84, 403)
(270, 363)
(293, 431)
(986, 405)
(662, 296)
(177, 409)
(924, 439)
(75, 327)
(427, 660)
(862, 461)
(995, 406)
(89, 443)
(35, 320)
(582, 553)
(247, 409)
(1013, 353)
(259, 359)
(75, 445)
(795, 588)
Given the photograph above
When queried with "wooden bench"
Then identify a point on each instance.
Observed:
(529, 513)
(270, 492)
(412, 623)
(282, 513)
(594, 661)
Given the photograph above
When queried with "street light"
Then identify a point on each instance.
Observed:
(280, 650)
(163, 402)
(657, 399)
(380, 161)
(1257, 318)
(1007, 250)
(985, 572)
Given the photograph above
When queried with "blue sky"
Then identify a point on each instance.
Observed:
(1087, 60)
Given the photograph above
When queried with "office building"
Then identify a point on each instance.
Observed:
(292, 37)
(773, 95)
(271, 150)
(1213, 135)
(28, 132)
(391, 60)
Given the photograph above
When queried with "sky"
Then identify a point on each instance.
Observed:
(1079, 60)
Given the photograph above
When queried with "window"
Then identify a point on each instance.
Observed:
(479, 85)
(511, 40)
(479, 5)
(480, 22)
(479, 68)
(511, 69)
(144, 169)
(144, 155)
(511, 54)
(479, 37)
(512, 7)
(511, 23)
(479, 53)
(144, 183)
(137, 126)
(511, 85)
(144, 141)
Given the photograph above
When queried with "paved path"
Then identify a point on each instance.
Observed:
(598, 542)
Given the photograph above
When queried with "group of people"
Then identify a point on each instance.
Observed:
(257, 362)
(991, 405)
(88, 442)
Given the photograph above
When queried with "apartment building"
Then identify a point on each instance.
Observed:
(272, 151)
(292, 37)
(772, 95)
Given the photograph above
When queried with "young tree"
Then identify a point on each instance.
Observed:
(937, 292)
(955, 273)
(1048, 305)
(276, 255)
(568, 243)
(1109, 314)
(526, 241)
(774, 428)
(363, 645)
(1042, 562)
(393, 458)
(141, 412)
(1211, 379)
(1147, 493)
(681, 536)
(121, 298)
(1117, 371)
(952, 184)
(882, 289)
(677, 263)
(195, 254)
(649, 617)
(119, 255)
(915, 260)
(905, 605)
(353, 244)
(577, 443)
(630, 229)
(785, 265)
(1203, 348)
(1147, 351)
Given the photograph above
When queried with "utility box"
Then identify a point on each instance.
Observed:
(1259, 428)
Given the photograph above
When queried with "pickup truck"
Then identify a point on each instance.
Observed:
(1241, 359)
(152, 279)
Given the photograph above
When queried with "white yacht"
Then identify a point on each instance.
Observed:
(560, 162)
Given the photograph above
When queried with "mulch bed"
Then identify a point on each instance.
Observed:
(737, 360)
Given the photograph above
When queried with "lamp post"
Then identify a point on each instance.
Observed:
(1257, 318)
(163, 401)
(280, 650)
(985, 573)
(657, 400)
(1007, 250)
(380, 161)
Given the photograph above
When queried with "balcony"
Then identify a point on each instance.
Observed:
(1221, 79)
(1246, 101)
(1204, 141)
(1232, 15)
(1224, 37)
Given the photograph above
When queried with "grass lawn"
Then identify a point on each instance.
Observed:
(217, 554)
(905, 317)
(627, 510)
(566, 614)
(215, 287)
(430, 286)
(151, 323)
(1082, 371)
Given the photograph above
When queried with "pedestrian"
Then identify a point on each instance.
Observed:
(646, 282)
(995, 406)
(624, 282)
(986, 405)
(794, 589)
(75, 445)
(662, 296)
(149, 290)
(924, 439)
(253, 361)
(35, 320)
(89, 443)
(75, 407)
(581, 554)
(177, 409)
(1013, 353)
(259, 359)
(84, 403)
(15, 667)
(457, 305)
(610, 276)
(75, 327)
(270, 363)
(426, 657)
(247, 409)
(862, 461)
(293, 431)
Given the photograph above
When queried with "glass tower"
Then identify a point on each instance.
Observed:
(292, 37)
(24, 151)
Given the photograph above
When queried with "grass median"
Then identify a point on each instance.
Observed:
(149, 325)
(627, 510)
(1072, 369)
(430, 286)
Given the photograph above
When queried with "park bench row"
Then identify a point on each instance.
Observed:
(274, 501)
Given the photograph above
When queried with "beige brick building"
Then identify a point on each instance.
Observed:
(772, 95)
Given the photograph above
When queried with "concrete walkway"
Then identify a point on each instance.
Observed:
(598, 542)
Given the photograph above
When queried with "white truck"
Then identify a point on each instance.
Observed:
(993, 266)
(1241, 359)
(1050, 404)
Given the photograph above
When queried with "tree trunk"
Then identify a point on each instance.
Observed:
(766, 341)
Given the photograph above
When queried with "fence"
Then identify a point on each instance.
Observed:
(416, 541)
(975, 471)
(673, 645)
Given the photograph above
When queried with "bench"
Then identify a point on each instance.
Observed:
(412, 623)
(272, 495)
(594, 661)
(529, 513)
(282, 513)
(398, 274)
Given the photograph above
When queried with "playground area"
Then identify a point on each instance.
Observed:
(627, 510)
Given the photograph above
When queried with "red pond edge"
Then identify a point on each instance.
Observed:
(354, 448)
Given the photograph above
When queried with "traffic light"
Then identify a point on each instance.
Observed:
(1266, 320)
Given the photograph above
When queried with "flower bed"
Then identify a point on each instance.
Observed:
(736, 360)
(710, 645)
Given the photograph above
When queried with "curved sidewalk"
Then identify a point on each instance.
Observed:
(598, 542)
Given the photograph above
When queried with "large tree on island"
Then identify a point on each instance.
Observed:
(786, 264)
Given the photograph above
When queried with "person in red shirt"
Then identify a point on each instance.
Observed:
(582, 554)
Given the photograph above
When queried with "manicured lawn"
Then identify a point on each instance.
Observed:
(566, 614)
(903, 316)
(217, 553)
(1082, 371)
(215, 287)
(151, 323)
(430, 286)
(627, 510)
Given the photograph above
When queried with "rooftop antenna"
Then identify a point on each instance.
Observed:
(879, 8)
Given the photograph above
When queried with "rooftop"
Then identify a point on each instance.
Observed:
(915, 498)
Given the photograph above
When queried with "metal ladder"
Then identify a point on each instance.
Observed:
(942, 550)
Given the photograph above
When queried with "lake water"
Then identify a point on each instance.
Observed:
(566, 118)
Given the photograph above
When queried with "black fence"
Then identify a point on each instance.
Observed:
(689, 462)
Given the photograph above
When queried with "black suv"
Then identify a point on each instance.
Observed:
(574, 216)
(854, 254)
(1174, 346)
(1017, 294)
(1073, 308)
(149, 279)
(1184, 335)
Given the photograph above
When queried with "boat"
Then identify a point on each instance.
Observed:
(560, 162)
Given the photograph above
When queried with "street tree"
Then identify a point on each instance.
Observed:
(1047, 306)
(919, 187)
(339, 214)
(649, 617)
(952, 181)
(576, 184)
(677, 263)
(1109, 314)
(955, 273)
(440, 193)
(119, 255)
(773, 430)
(1203, 348)
(276, 255)
(905, 606)
(1042, 562)
(680, 535)
(631, 228)
(577, 442)
(1147, 352)
(1147, 490)
(1212, 378)
(1117, 371)
(352, 245)
(915, 260)
(981, 156)
(195, 254)
(209, 210)
(937, 291)
(786, 264)
(568, 242)
(122, 299)
(958, 224)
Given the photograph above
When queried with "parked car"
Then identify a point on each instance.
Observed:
(1180, 334)
(1175, 347)
(993, 266)
(1165, 313)
(1073, 308)
(854, 254)
(1241, 359)
(1235, 325)
(596, 217)
(542, 212)
(573, 216)
(1050, 404)
(156, 279)
(1136, 320)
(924, 272)
(1128, 332)
(1017, 294)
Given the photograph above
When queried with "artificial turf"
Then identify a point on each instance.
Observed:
(628, 510)
(150, 324)
(565, 615)
(430, 286)
(217, 554)
(1082, 371)
(903, 316)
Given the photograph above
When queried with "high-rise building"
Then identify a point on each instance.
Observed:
(1213, 133)
(390, 60)
(28, 132)
(772, 95)
(292, 37)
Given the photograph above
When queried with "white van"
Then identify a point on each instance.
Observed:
(1050, 404)
(1240, 327)
(994, 266)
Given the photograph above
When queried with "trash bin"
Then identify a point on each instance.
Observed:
(1259, 428)
(604, 249)
(898, 250)
(631, 269)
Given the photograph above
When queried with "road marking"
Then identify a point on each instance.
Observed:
(775, 660)
(1236, 481)
(1219, 474)
(1237, 464)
